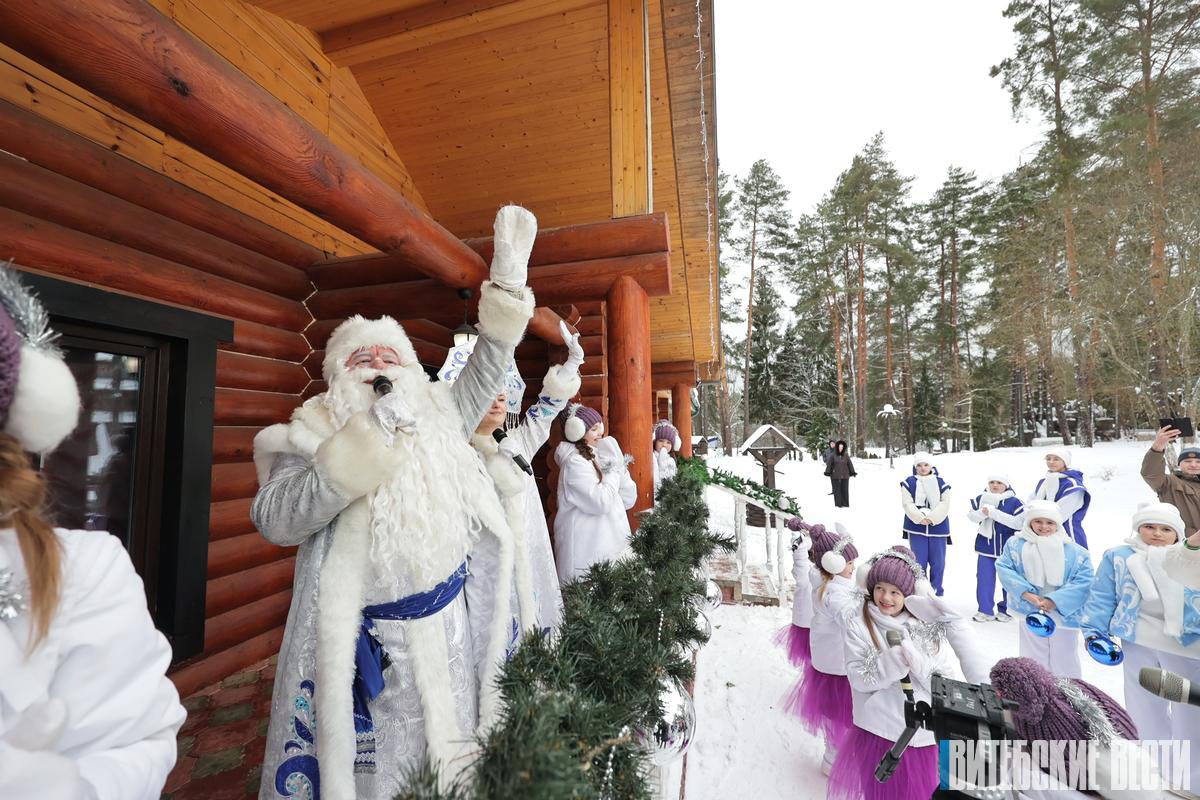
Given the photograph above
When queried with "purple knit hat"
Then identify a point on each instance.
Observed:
(897, 566)
(834, 544)
(1054, 708)
(665, 430)
(577, 419)
(10, 363)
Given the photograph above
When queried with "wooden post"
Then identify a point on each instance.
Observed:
(630, 420)
(681, 411)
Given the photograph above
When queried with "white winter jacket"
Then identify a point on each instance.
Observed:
(90, 714)
(841, 600)
(591, 524)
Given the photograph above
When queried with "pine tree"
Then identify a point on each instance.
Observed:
(765, 344)
(760, 212)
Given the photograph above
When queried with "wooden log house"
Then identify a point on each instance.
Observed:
(201, 190)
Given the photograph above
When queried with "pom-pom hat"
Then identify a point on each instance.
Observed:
(1158, 514)
(833, 551)
(39, 398)
(1044, 710)
(577, 419)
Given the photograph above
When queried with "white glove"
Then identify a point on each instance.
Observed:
(917, 661)
(392, 414)
(574, 351)
(515, 229)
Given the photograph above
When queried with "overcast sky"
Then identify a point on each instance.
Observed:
(806, 83)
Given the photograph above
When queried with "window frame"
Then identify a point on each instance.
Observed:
(186, 391)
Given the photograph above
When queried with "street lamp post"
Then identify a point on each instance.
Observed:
(887, 412)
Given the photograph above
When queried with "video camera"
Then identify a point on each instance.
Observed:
(959, 711)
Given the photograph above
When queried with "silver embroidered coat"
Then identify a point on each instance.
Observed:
(297, 505)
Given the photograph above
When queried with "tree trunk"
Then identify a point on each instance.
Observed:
(890, 391)
(955, 366)
(749, 329)
(860, 381)
(1158, 238)
(942, 339)
(910, 430)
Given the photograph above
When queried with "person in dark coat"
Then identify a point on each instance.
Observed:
(827, 454)
(840, 470)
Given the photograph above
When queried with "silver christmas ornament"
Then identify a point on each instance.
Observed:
(712, 595)
(703, 623)
(670, 735)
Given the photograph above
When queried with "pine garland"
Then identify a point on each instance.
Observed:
(569, 701)
(773, 499)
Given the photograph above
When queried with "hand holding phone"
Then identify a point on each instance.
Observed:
(1181, 424)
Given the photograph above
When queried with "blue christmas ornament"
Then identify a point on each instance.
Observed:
(1104, 650)
(1040, 624)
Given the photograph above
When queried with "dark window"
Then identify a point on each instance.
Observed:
(139, 465)
(119, 444)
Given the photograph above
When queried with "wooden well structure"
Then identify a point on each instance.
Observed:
(271, 167)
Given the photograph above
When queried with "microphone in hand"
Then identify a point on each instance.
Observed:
(500, 435)
(894, 639)
(382, 385)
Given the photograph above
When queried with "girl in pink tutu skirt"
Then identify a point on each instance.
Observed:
(821, 699)
(793, 637)
(934, 639)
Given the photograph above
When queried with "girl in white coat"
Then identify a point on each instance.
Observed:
(822, 698)
(86, 710)
(594, 492)
(666, 444)
(934, 639)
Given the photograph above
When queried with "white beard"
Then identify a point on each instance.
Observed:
(421, 521)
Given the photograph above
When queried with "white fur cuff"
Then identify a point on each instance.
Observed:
(561, 383)
(355, 459)
(502, 315)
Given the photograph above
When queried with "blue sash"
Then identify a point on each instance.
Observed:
(369, 657)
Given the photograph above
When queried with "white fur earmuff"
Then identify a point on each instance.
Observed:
(573, 428)
(833, 562)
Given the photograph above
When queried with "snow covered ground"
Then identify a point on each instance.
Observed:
(745, 746)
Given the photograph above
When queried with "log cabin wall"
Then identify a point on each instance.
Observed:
(93, 194)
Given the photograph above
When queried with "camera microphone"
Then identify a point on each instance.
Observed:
(1169, 686)
(893, 640)
(500, 435)
(382, 385)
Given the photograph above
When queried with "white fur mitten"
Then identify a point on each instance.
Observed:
(514, 232)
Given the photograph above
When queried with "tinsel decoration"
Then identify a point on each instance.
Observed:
(569, 701)
(29, 315)
(1099, 726)
(930, 635)
(12, 599)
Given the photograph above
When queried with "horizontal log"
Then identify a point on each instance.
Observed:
(262, 340)
(592, 386)
(198, 673)
(30, 136)
(130, 54)
(227, 556)
(627, 236)
(314, 389)
(591, 308)
(245, 407)
(229, 518)
(590, 326)
(242, 588)
(241, 624)
(233, 444)
(569, 314)
(53, 249)
(32, 190)
(552, 285)
(231, 481)
(237, 371)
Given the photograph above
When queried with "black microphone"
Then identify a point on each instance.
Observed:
(500, 435)
(1169, 686)
(893, 640)
(382, 385)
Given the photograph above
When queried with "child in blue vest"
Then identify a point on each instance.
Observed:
(1064, 487)
(1157, 618)
(926, 500)
(1000, 515)
(1043, 570)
